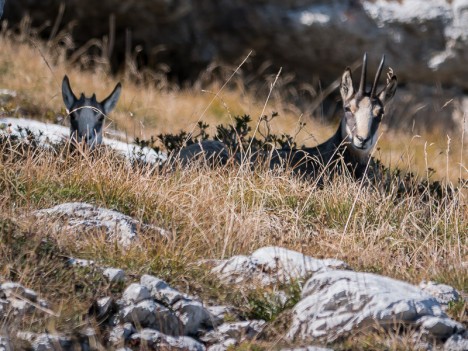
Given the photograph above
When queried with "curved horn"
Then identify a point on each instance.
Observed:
(377, 77)
(362, 83)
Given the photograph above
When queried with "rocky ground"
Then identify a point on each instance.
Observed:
(334, 302)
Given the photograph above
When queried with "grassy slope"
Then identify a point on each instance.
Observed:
(410, 238)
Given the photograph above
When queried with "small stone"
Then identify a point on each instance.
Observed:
(30, 295)
(11, 289)
(81, 262)
(135, 293)
(219, 313)
(161, 291)
(458, 342)
(20, 307)
(5, 344)
(121, 333)
(439, 327)
(156, 340)
(240, 331)
(103, 307)
(150, 314)
(114, 275)
(224, 346)
(193, 315)
(308, 348)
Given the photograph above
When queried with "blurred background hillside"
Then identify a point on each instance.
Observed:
(194, 46)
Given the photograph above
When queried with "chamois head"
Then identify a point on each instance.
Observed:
(364, 109)
(87, 114)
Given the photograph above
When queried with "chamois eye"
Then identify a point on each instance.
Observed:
(377, 111)
(347, 109)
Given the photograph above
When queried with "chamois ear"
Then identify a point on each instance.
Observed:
(109, 102)
(389, 91)
(67, 93)
(346, 87)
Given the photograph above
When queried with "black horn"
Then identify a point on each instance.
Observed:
(362, 83)
(377, 77)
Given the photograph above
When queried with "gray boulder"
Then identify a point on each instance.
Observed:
(272, 265)
(79, 217)
(193, 315)
(150, 314)
(154, 340)
(336, 303)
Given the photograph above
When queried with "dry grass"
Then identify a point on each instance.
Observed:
(35, 70)
(212, 213)
(219, 213)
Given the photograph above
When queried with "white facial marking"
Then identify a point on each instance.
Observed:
(363, 120)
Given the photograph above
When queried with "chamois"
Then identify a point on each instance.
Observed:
(87, 114)
(352, 143)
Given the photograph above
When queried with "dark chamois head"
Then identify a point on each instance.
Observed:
(364, 109)
(87, 114)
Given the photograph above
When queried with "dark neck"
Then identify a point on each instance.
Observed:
(338, 147)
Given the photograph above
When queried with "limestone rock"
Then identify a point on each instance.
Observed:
(161, 291)
(155, 340)
(309, 348)
(439, 327)
(193, 316)
(48, 135)
(272, 265)
(334, 303)
(238, 331)
(443, 293)
(79, 217)
(45, 342)
(5, 344)
(458, 342)
(150, 314)
(114, 275)
(120, 334)
(18, 300)
(135, 293)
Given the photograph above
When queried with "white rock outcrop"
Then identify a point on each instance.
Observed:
(335, 303)
(272, 265)
(48, 134)
(80, 217)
